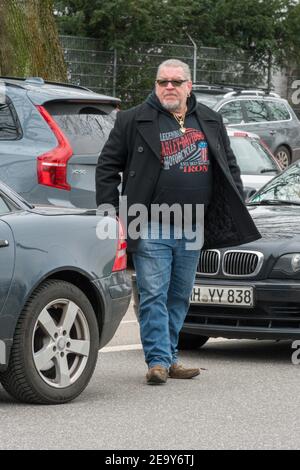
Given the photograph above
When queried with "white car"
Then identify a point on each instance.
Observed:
(254, 158)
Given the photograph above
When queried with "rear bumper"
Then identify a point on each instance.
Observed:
(116, 293)
(275, 315)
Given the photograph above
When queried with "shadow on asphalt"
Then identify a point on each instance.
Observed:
(246, 350)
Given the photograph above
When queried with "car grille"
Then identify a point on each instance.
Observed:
(209, 262)
(235, 262)
(242, 263)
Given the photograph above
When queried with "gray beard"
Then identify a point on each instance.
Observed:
(171, 106)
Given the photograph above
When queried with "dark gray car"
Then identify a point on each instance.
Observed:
(50, 139)
(63, 293)
(265, 114)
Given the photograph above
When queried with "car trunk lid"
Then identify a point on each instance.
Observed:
(86, 126)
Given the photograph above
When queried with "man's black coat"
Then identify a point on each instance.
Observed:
(133, 148)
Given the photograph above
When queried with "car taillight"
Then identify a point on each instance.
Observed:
(240, 134)
(121, 256)
(52, 165)
(263, 143)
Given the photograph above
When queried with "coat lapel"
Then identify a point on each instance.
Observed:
(147, 126)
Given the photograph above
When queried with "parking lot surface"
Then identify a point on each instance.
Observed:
(247, 398)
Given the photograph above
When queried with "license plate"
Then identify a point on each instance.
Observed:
(222, 295)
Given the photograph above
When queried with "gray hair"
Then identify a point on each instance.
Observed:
(176, 63)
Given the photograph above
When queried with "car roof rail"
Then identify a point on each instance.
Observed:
(40, 81)
(35, 80)
(70, 85)
(254, 92)
(207, 86)
(233, 89)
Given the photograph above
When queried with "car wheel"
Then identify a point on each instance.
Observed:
(55, 346)
(283, 155)
(187, 341)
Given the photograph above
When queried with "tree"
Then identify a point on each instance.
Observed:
(255, 36)
(255, 26)
(29, 43)
(260, 27)
(123, 23)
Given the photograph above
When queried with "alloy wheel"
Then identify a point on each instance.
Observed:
(61, 343)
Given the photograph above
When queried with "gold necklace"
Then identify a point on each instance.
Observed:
(180, 119)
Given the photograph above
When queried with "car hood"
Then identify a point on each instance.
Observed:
(276, 222)
(279, 227)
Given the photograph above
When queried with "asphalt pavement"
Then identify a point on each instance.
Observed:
(248, 398)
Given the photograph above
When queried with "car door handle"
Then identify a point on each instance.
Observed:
(272, 132)
(4, 243)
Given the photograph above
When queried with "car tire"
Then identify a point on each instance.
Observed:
(55, 346)
(283, 155)
(189, 342)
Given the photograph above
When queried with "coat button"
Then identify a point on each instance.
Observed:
(140, 149)
(132, 173)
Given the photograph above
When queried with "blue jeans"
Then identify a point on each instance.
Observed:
(165, 274)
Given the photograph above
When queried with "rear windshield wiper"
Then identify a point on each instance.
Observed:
(274, 202)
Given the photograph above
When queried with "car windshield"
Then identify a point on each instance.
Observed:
(284, 189)
(207, 99)
(252, 157)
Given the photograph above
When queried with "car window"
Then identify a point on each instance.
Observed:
(278, 111)
(256, 111)
(286, 187)
(252, 157)
(86, 126)
(8, 128)
(4, 207)
(232, 111)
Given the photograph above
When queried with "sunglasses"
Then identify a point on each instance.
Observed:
(174, 83)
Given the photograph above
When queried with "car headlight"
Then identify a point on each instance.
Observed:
(287, 265)
(296, 262)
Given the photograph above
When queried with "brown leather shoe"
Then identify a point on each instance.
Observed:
(157, 375)
(177, 371)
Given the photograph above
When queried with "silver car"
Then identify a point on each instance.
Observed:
(263, 113)
(256, 162)
(51, 136)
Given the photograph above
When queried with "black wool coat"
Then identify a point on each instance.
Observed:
(133, 148)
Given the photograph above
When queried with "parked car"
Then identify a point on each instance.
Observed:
(63, 293)
(258, 111)
(50, 139)
(256, 162)
(252, 291)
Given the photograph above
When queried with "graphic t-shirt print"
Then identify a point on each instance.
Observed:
(186, 152)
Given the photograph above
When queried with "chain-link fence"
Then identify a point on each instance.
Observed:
(88, 65)
(130, 74)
